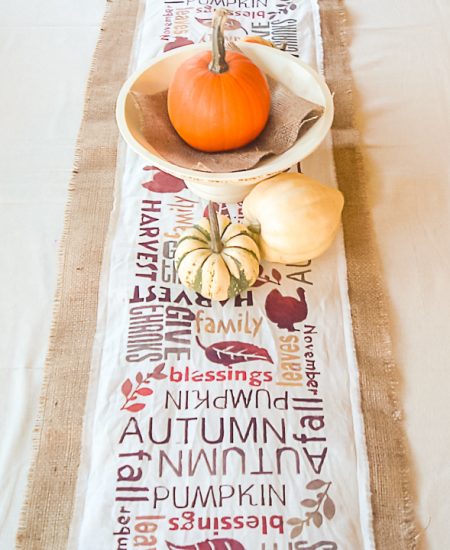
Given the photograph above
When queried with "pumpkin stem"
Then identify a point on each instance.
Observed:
(216, 243)
(218, 64)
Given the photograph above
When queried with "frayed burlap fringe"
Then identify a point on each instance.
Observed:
(392, 498)
(48, 507)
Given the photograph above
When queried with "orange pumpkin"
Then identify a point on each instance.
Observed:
(218, 100)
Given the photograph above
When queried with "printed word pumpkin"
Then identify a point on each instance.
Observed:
(217, 258)
(219, 100)
(297, 218)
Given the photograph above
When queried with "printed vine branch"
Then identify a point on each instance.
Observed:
(322, 500)
(141, 390)
(263, 278)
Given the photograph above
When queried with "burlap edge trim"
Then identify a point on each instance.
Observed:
(405, 522)
(111, 9)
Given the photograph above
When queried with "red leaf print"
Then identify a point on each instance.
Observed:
(139, 377)
(150, 168)
(159, 376)
(127, 386)
(315, 484)
(276, 275)
(179, 41)
(329, 508)
(135, 408)
(144, 391)
(164, 183)
(209, 544)
(205, 211)
(259, 282)
(157, 372)
(158, 368)
(228, 353)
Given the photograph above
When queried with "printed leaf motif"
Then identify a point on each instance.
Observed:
(164, 183)
(141, 389)
(206, 212)
(179, 41)
(144, 391)
(263, 279)
(317, 519)
(158, 368)
(228, 353)
(127, 387)
(159, 376)
(230, 25)
(315, 484)
(135, 408)
(233, 24)
(209, 544)
(329, 508)
(314, 516)
(297, 531)
(157, 372)
(276, 275)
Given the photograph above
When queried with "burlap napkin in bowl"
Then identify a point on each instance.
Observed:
(290, 117)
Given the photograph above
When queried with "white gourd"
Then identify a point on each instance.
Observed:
(297, 217)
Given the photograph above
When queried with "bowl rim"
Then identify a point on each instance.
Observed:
(278, 164)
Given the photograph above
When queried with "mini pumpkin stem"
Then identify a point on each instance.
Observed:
(218, 64)
(216, 243)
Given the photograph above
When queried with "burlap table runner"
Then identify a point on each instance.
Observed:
(392, 494)
(49, 504)
(57, 436)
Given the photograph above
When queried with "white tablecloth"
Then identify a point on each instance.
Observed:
(401, 60)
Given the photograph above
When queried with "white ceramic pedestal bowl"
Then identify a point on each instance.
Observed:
(227, 187)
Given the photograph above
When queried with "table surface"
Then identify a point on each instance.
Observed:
(400, 58)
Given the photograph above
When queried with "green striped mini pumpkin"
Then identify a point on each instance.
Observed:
(218, 259)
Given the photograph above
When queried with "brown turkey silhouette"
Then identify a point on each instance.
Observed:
(285, 311)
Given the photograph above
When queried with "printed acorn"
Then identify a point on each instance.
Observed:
(219, 100)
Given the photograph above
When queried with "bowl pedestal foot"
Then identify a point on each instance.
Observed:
(222, 191)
